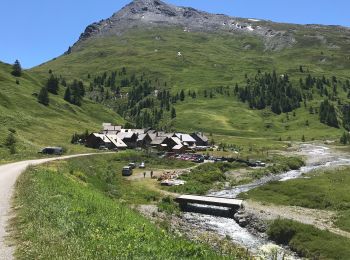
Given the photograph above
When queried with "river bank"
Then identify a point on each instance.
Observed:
(248, 229)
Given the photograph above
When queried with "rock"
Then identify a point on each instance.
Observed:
(243, 222)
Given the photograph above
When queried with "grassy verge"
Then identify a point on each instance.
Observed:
(309, 241)
(321, 190)
(169, 206)
(63, 213)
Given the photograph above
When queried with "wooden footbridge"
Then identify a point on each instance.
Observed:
(233, 204)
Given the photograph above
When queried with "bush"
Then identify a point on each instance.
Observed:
(168, 205)
(282, 231)
(309, 241)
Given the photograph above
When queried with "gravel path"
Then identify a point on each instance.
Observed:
(8, 176)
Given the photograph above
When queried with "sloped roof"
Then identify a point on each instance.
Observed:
(185, 138)
(117, 141)
(176, 140)
(178, 147)
(112, 127)
(158, 140)
(102, 137)
(136, 131)
(141, 137)
(201, 136)
(124, 135)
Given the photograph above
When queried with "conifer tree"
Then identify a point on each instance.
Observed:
(182, 95)
(52, 85)
(68, 95)
(43, 96)
(16, 69)
(173, 113)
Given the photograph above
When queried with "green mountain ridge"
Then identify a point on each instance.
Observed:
(209, 61)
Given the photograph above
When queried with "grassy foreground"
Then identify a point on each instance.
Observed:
(78, 210)
(309, 241)
(321, 190)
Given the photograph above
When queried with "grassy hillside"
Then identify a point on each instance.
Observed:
(209, 61)
(37, 125)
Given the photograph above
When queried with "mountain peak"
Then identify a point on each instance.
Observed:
(156, 13)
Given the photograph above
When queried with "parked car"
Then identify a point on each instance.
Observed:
(52, 150)
(127, 171)
(103, 148)
(198, 160)
(142, 165)
(260, 164)
(132, 165)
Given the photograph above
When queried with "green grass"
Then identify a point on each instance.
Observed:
(104, 173)
(279, 164)
(169, 206)
(210, 61)
(61, 219)
(204, 178)
(309, 241)
(321, 190)
(38, 126)
(79, 210)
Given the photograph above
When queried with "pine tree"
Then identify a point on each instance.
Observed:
(43, 96)
(173, 112)
(52, 85)
(10, 140)
(328, 114)
(68, 95)
(182, 95)
(16, 69)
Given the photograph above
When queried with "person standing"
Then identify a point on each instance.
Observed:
(144, 174)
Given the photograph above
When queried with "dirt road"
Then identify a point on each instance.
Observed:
(8, 176)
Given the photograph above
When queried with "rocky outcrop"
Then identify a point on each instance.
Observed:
(155, 13)
(251, 222)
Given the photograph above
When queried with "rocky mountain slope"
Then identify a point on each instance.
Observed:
(155, 13)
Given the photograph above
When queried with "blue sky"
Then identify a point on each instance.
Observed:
(35, 31)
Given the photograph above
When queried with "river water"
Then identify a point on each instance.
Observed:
(317, 157)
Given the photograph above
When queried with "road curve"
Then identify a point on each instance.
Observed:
(8, 176)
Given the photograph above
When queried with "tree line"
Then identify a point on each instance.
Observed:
(269, 90)
(142, 99)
